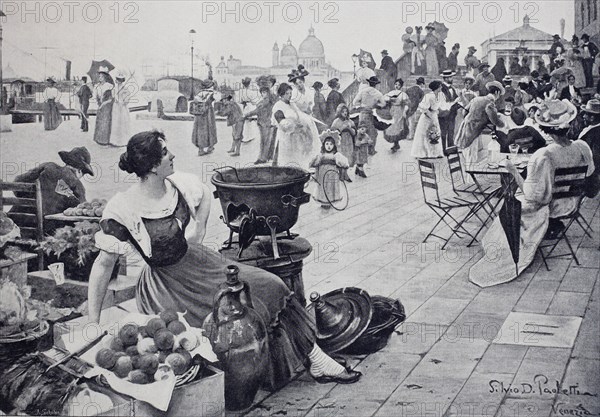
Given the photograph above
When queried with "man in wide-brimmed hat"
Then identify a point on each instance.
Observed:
(484, 77)
(591, 135)
(61, 186)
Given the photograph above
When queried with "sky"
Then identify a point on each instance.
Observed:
(130, 33)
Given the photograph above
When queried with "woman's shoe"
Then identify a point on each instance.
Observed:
(348, 377)
(235, 154)
(361, 173)
(325, 206)
(202, 153)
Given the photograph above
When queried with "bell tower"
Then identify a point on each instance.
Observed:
(275, 55)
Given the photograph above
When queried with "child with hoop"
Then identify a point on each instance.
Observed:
(328, 164)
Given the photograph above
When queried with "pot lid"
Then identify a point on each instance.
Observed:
(341, 317)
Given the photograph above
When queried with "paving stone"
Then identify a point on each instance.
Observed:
(422, 396)
(481, 395)
(587, 344)
(477, 325)
(525, 407)
(579, 393)
(588, 258)
(383, 373)
(558, 269)
(579, 280)
(569, 304)
(540, 369)
(491, 303)
(451, 359)
(537, 297)
(415, 338)
(501, 359)
(438, 310)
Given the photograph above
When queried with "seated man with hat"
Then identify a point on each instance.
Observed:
(482, 79)
(61, 186)
(591, 135)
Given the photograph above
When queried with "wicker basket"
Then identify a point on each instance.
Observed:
(13, 348)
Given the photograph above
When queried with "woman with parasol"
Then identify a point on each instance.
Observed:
(512, 241)
(52, 118)
(104, 98)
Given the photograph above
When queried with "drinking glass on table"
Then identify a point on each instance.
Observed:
(514, 148)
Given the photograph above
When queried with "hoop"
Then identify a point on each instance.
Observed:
(339, 205)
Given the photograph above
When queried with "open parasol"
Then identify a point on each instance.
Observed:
(93, 71)
(441, 31)
(367, 56)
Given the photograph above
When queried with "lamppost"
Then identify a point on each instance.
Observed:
(2, 99)
(354, 60)
(192, 34)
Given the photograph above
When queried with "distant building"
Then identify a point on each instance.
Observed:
(310, 53)
(587, 19)
(522, 41)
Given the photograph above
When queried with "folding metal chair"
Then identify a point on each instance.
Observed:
(568, 184)
(26, 212)
(443, 206)
(482, 193)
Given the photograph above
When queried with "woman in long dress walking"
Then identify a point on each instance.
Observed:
(52, 117)
(204, 135)
(427, 143)
(121, 122)
(105, 101)
(399, 106)
(432, 42)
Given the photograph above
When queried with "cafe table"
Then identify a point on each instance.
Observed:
(508, 185)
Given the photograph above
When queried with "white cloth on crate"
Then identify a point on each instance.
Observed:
(537, 207)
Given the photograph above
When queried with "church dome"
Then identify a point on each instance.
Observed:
(289, 50)
(311, 47)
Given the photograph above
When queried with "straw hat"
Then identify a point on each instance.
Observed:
(592, 106)
(555, 113)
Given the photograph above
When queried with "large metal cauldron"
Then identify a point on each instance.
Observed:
(265, 200)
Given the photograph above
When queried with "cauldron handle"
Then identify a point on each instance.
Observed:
(221, 174)
(289, 200)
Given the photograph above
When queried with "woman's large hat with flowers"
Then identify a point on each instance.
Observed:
(297, 73)
(334, 134)
(555, 113)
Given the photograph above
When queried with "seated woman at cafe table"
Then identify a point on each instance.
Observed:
(535, 195)
(164, 218)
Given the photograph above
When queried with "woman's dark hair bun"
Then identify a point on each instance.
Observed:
(124, 163)
(144, 152)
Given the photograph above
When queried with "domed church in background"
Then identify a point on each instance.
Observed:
(310, 53)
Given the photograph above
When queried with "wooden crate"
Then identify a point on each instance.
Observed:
(74, 293)
(16, 271)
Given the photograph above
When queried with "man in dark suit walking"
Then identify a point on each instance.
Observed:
(388, 65)
(447, 115)
(589, 52)
(84, 94)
